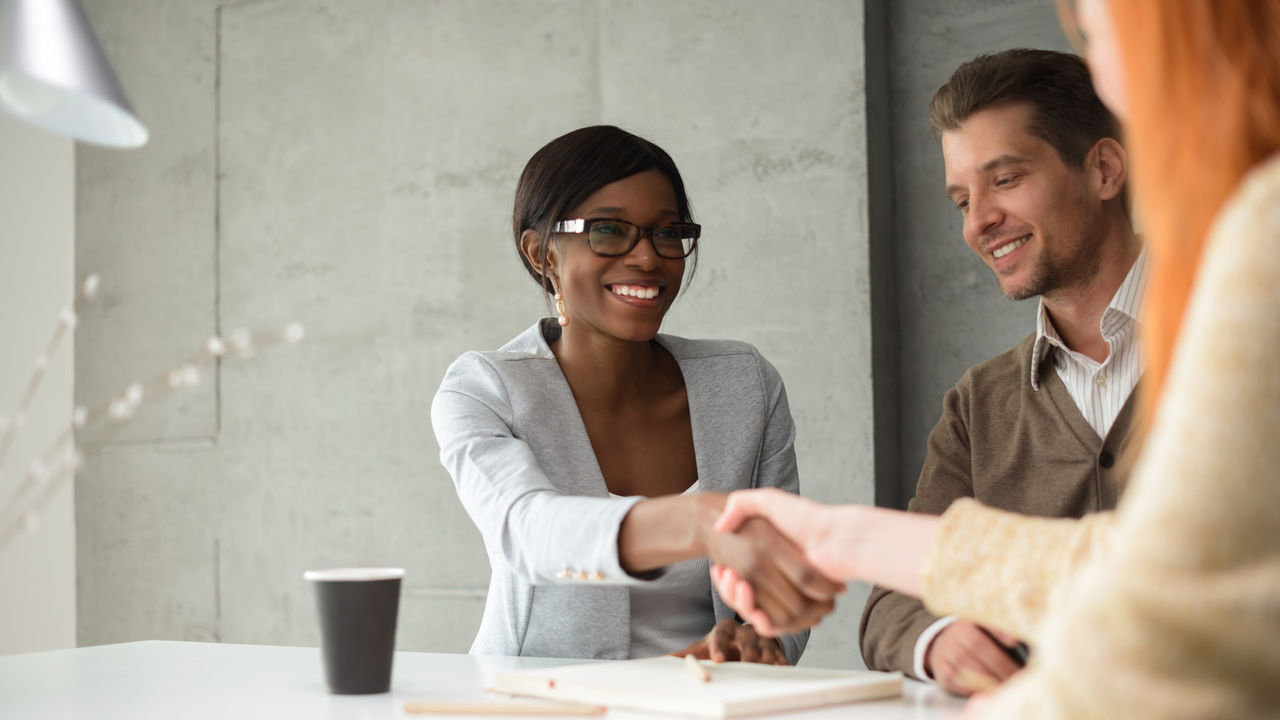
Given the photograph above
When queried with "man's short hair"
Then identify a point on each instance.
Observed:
(1065, 110)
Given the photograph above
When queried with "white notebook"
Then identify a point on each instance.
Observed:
(664, 684)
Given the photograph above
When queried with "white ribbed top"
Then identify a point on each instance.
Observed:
(675, 610)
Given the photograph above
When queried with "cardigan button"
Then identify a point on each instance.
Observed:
(1106, 459)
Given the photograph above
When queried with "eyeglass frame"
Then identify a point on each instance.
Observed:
(582, 226)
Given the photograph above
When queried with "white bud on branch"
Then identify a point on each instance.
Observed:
(184, 376)
(120, 409)
(241, 341)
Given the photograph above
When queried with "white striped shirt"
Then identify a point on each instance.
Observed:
(1100, 389)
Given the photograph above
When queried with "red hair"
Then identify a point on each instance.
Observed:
(1203, 92)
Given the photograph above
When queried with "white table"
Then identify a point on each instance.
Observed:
(190, 681)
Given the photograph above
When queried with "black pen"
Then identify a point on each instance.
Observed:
(1019, 652)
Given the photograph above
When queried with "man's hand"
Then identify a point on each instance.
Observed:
(788, 590)
(731, 640)
(965, 658)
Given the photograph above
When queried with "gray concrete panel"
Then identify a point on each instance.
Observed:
(145, 218)
(366, 191)
(147, 545)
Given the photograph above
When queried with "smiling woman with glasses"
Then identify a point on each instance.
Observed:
(593, 453)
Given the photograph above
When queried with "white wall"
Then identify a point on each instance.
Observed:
(37, 223)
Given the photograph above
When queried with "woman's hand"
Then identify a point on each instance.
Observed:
(739, 595)
(731, 640)
(788, 590)
(753, 599)
(813, 527)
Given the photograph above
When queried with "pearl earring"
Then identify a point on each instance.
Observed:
(563, 319)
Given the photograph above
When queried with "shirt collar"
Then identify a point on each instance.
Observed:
(1124, 309)
(1046, 339)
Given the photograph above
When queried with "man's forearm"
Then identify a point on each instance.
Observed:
(889, 632)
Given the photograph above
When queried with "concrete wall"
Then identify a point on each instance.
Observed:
(350, 165)
(37, 194)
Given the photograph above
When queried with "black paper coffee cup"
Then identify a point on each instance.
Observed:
(357, 608)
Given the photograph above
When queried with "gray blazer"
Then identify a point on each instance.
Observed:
(511, 436)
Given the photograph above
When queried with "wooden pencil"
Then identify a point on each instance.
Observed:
(482, 707)
(696, 669)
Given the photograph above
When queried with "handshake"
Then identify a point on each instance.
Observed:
(774, 560)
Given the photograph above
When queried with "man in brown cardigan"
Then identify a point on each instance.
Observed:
(1033, 166)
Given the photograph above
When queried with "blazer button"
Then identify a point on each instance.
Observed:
(1106, 459)
(581, 575)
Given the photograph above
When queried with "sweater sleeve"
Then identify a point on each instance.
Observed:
(1178, 617)
(1004, 570)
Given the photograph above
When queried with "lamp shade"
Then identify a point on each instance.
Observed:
(53, 74)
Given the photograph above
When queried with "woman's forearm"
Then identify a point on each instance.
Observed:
(876, 545)
(665, 530)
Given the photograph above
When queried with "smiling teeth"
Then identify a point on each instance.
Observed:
(1005, 250)
(636, 291)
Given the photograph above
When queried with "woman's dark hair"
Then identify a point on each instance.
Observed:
(567, 170)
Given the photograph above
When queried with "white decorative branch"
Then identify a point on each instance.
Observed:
(66, 320)
(49, 471)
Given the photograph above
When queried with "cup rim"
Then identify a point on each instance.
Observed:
(354, 574)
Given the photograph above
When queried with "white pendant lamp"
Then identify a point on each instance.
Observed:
(53, 74)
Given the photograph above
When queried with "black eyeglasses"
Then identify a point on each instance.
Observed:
(612, 238)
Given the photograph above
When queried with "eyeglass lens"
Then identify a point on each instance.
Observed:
(617, 237)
